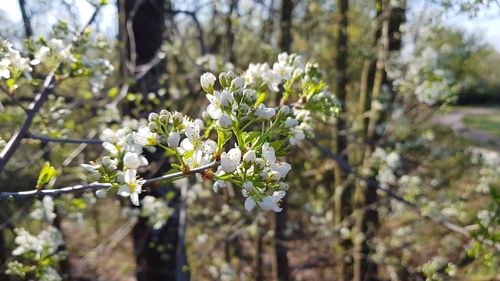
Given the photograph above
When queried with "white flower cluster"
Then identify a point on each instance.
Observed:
(42, 249)
(44, 210)
(409, 186)
(236, 109)
(46, 243)
(12, 63)
(261, 177)
(490, 167)
(431, 84)
(156, 210)
(387, 164)
(288, 67)
(125, 147)
(102, 68)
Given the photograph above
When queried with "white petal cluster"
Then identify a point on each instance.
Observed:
(387, 165)
(44, 210)
(11, 61)
(156, 210)
(263, 186)
(239, 115)
(46, 242)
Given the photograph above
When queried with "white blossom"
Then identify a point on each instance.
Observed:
(133, 160)
(132, 186)
(144, 136)
(264, 113)
(230, 160)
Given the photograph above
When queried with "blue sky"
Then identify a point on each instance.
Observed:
(486, 25)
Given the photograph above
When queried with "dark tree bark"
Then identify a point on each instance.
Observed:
(142, 28)
(280, 247)
(28, 30)
(343, 190)
(233, 7)
(367, 220)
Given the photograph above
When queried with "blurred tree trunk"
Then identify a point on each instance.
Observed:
(366, 214)
(268, 25)
(142, 27)
(280, 247)
(230, 53)
(259, 255)
(343, 189)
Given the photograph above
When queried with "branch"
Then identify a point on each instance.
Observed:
(59, 140)
(192, 14)
(13, 98)
(48, 84)
(374, 184)
(97, 185)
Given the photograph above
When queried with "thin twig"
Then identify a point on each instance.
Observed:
(13, 98)
(97, 185)
(59, 140)
(374, 184)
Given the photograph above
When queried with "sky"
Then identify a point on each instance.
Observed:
(486, 25)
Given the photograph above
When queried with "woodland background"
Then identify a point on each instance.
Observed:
(434, 218)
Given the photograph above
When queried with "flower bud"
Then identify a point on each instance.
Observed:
(222, 79)
(248, 186)
(238, 94)
(153, 127)
(238, 83)
(164, 119)
(290, 122)
(165, 112)
(153, 117)
(225, 121)
(260, 163)
(284, 110)
(207, 81)
(249, 156)
(226, 99)
(173, 139)
(230, 76)
(178, 118)
(250, 96)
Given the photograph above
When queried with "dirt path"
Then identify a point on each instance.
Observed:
(455, 118)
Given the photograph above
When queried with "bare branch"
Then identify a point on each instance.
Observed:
(374, 184)
(192, 14)
(13, 98)
(59, 140)
(97, 185)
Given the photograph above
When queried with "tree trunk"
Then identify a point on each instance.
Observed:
(281, 251)
(142, 26)
(367, 220)
(342, 194)
(233, 7)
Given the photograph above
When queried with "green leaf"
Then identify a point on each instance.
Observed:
(188, 154)
(113, 92)
(250, 136)
(46, 174)
(223, 136)
(261, 98)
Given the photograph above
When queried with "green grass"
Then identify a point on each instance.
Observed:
(489, 123)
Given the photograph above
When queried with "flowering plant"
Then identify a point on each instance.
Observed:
(239, 135)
